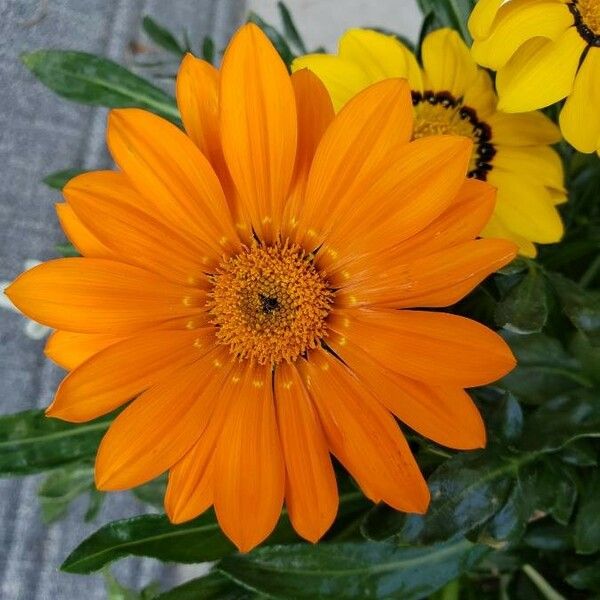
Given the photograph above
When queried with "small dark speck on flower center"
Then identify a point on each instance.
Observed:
(269, 304)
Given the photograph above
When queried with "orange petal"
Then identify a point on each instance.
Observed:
(191, 480)
(363, 435)
(446, 415)
(403, 197)
(438, 348)
(462, 221)
(79, 235)
(124, 370)
(353, 154)
(198, 102)
(438, 279)
(315, 113)
(93, 295)
(170, 171)
(138, 238)
(69, 350)
(161, 425)
(249, 468)
(311, 493)
(258, 127)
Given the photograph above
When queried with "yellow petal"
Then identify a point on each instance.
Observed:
(258, 127)
(516, 23)
(542, 164)
(380, 56)
(580, 116)
(482, 17)
(342, 78)
(526, 129)
(447, 62)
(540, 73)
(496, 229)
(526, 208)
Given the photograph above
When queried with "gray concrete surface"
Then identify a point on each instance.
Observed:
(41, 133)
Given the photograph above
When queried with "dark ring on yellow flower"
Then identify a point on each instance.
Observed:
(587, 33)
(482, 132)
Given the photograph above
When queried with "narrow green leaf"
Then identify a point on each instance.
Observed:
(162, 37)
(351, 571)
(31, 442)
(213, 586)
(61, 487)
(90, 79)
(199, 540)
(208, 49)
(67, 249)
(276, 38)
(153, 492)
(59, 179)
(525, 308)
(449, 13)
(290, 30)
(548, 536)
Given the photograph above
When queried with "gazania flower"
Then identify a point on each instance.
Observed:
(250, 283)
(544, 52)
(452, 96)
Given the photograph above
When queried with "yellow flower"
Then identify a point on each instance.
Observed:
(544, 52)
(451, 95)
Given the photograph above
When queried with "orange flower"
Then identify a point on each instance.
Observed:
(243, 282)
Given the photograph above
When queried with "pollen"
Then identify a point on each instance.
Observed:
(270, 303)
(439, 113)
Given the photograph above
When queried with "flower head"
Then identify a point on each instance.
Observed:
(544, 52)
(452, 96)
(249, 283)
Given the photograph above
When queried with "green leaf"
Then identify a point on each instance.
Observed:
(548, 536)
(199, 540)
(449, 13)
(561, 421)
(581, 306)
(59, 179)
(290, 30)
(505, 418)
(587, 578)
(61, 487)
(153, 492)
(208, 49)
(31, 442)
(67, 249)
(525, 308)
(162, 37)
(587, 522)
(90, 79)
(544, 368)
(360, 571)
(276, 38)
(213, 586)
(466, 491)
(117, 591)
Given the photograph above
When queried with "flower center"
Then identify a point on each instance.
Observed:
(439, 113)
(270, 303)
(587, 19)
